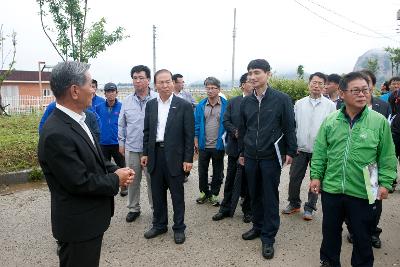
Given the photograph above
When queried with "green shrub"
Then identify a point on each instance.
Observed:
(296, 89)
(36, 174)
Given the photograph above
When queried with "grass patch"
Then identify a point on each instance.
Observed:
(18, 142)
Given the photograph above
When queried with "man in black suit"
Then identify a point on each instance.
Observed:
(168, 145)
(231, 123)
(81, 183)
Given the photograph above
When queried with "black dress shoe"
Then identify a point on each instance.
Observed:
(132, 216)
(268, 251)
(179, 237)
(376, 241)
(251, 234)
(219, 216)
(153, 232)
(247, 218)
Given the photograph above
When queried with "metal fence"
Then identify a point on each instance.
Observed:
(25, 104)
(33, 104)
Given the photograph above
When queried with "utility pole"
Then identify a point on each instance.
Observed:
(233, 50)
(154, 49)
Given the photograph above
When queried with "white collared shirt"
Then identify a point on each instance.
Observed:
(163, 110)
(79, 118)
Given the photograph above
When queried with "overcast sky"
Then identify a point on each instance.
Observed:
(194, 38)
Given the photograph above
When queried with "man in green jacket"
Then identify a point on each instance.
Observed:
(349, 141)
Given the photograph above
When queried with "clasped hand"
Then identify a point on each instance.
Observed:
(125, 175)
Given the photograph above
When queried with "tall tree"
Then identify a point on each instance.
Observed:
(73, 39)
(300, 72)
(372, 65)
(394, 56)
(7, 59)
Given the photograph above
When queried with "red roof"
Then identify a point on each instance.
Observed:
(26, 75)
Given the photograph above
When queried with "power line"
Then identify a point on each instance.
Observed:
(352, 21)
(335, 24)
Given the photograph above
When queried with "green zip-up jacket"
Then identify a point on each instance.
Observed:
(341, 152)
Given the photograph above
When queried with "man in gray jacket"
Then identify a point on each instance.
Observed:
(130, 135)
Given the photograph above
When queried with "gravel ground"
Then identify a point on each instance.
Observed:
(26, 239)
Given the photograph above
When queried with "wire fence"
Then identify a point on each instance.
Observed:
(25, 104)
(34, 104)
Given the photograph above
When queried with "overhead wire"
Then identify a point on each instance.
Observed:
(350, 20)
(340, 26)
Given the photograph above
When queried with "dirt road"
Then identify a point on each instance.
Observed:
(26, 239)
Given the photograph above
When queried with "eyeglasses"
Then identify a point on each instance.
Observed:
(357, 91)
(320, 84)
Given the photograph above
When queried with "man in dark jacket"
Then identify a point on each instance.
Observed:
(82, 184)
(267, 124)
(231, 123)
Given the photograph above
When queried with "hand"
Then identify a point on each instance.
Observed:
(288, 160)
(187, 166)
(125, 176)
(236, 133)
(382, 193)
(121, 150)
(143, 161)
(315, 186)
(241, 161)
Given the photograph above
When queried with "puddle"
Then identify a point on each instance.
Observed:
(14, 188)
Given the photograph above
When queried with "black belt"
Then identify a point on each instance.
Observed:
(159, 144)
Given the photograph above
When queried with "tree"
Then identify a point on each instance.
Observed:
(5, 61)
(372, 65)
(73, 39)
(300, 71)
(394, 56)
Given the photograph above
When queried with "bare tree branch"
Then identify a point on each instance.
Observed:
(45, 32)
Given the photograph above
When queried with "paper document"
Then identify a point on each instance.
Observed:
(278, 151)
(371, 181)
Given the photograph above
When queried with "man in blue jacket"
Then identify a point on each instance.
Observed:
(209, 128)
(108, 112)
(96, 100)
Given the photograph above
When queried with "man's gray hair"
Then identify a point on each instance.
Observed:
(212, 81)
(66, 74)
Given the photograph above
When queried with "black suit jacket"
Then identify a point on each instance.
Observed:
(178, 137)
(231, 124)
(80, 184)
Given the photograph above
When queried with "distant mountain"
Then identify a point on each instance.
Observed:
(385, 69)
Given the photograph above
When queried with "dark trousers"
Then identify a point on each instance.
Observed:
(161, 181)
(77, 254)
(396, 141)
(263, 177)
(217, 157)
(233, 169)
(297, 172)
(113, 151)
(335, 208)
(244, 193)
(376, 231)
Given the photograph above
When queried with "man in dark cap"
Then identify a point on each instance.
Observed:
(108, 112)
